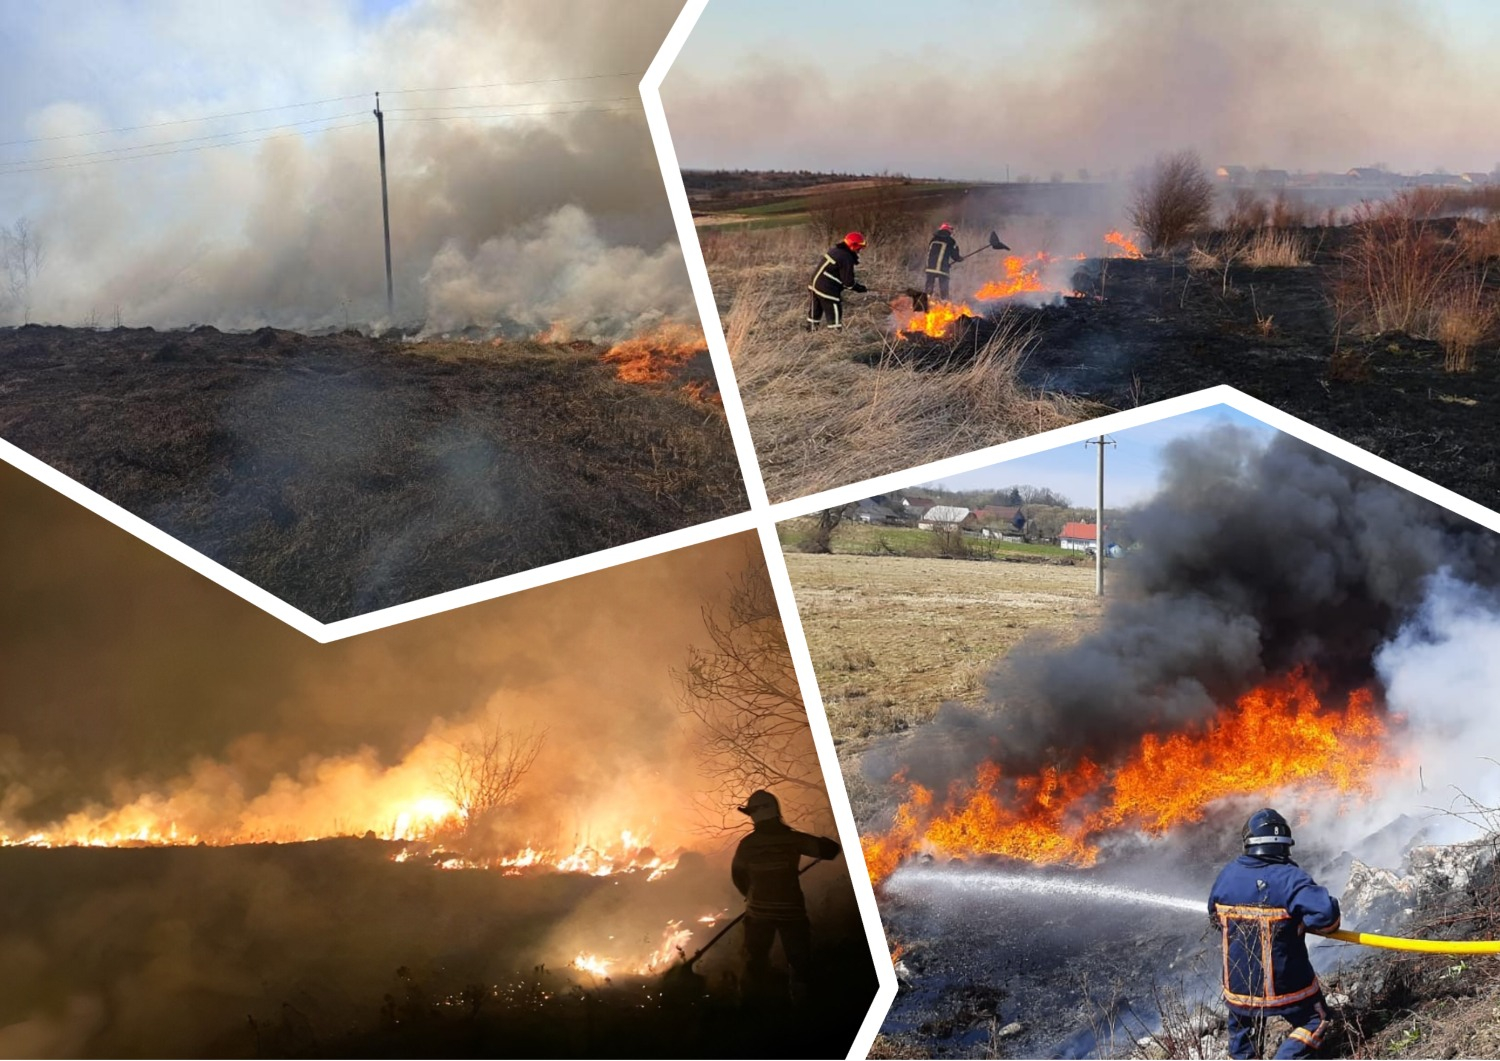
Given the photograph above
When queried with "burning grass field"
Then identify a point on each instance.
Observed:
(203, 951)
(1047, 784)
(1379, 323)
(345, 473)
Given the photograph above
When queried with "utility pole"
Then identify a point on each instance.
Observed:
(1101, 442)
(385, 209)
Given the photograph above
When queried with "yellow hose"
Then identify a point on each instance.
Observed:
(1426, 946)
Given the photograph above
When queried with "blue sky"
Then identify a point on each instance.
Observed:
(964, 88)
(1132, 466)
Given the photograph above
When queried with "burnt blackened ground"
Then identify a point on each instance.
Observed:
(331, 949)
(345, 473)
(1152, 329)
(1074, 975)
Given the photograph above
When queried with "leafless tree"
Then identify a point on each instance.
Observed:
(741, 691)
(22, 255)
(820, 538)
(1176, 199)
(481, 774)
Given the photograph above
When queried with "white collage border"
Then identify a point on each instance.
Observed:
(762, 516)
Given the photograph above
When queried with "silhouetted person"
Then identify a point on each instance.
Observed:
(765, 870)
(942, 252)
(835, 273)
(1264, 904)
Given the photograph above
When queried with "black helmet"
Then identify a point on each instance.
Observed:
(1267, 833)
(761, 806)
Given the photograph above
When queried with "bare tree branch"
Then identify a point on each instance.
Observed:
(481, 774)
(741, 691)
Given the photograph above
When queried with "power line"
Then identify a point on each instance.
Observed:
(24, 167)
(475, 117)
(184, 140)
(177, 151)
(487, 106)
(310, 103)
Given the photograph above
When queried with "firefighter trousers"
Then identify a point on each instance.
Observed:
(796, 942)
(940, 280)
(821, 306)
(1309, 1021)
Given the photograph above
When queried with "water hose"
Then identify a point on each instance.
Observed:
(1424, 946)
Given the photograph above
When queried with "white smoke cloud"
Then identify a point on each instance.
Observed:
(558, 270)
(287, 231)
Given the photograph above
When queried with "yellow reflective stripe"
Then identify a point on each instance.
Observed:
(1267, 1001)
(825, 294)
(1268, 913)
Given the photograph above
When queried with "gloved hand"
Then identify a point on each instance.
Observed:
(859, 289)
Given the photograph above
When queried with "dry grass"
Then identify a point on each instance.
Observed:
(1275, 248)
(1468, 317)
(822, 419)
(345, 474)
(1402, 273)
(892, 638)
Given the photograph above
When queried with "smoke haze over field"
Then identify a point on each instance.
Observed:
(975, 88)
(125, 675)
(512, 219)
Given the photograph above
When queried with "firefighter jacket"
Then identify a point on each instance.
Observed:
(835, 272)
(1264, 908)
(765, 869)
(942, 252)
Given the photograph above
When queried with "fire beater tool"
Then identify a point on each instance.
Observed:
(681, 976)
(994, 244)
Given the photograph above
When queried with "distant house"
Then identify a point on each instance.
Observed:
(873, 510)
(1232, 174)
(997, 514)
(1270, 178)
(917, 505)
(1079, 537)
(1477, 178)
(1369, 175)
(946, 517)
(1439, 180)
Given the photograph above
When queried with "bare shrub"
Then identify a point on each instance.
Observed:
(1480, 240)
(481, 773)
(1175, 201)
(1247, 212)
(1271, 247)
(1288, 211)
(1396, 269)
(1467, 318)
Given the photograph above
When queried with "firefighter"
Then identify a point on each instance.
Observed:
(942, 253)
(1264, 904)
(835, 272)
(765, 870)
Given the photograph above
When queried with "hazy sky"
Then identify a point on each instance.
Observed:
(212, 163)
(962, 88)
(1133, 466)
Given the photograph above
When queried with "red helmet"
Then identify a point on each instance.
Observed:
(854, 240)
(945, 227)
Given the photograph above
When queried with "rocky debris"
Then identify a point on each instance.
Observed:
(1379, 899)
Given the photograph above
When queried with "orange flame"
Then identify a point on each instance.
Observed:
(937, 320)
(1277, 738)
(1127, 248)
(1020, 276)
(656, 356)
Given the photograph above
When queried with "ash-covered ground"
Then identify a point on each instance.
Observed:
(1149, 329)
(992, 971)
(345, 473)
(330, 948)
